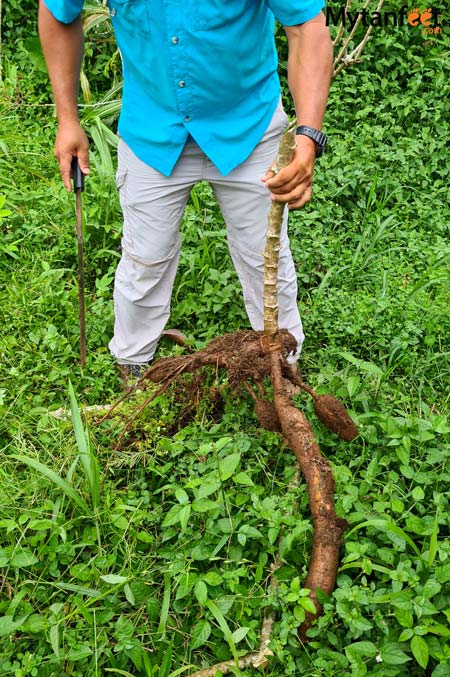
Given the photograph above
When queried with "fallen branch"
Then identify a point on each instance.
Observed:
(257, 659)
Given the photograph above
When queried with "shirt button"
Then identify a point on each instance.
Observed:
(181, 83)
(187, 118)
(113, 12)
(175, 40)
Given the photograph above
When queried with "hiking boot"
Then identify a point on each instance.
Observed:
(131, 373)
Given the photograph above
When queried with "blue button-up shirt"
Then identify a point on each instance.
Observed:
(202, 67)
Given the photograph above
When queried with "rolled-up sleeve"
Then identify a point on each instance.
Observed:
(65, 11)
(294, 12)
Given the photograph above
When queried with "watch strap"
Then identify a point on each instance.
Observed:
(317, 136)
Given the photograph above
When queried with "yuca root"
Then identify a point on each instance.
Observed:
(334, 416)
(328, 527)
(328, 408)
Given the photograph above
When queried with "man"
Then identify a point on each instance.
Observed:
(201, 101)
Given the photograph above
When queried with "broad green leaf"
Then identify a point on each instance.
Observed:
(243, 479)
(368, 367)
(204, 505)
(228, 465)
(35, 624)
(185, 585)
(173, 516)
(42, 524)
(129, 594)
(23, 559)
(404, 617)
(392, 654)
(406, 634)
(273, 534)
(442, 670)
(307, 604)
(54, 639)
(185, 513)
(436, 629)
(201, 592)
(362, 649)
(78, 653)
(249, 531)
(239, 634)
(208, 488)
(242, 538)
(420, 651)
(353, 383)
(200, 634)
(181, 496)
(431, 588)
(213, 578)
(299, 613)
(8, 625)
(114, 579)
(418, 494)
(222, 443)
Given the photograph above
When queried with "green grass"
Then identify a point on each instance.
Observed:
(154, 558)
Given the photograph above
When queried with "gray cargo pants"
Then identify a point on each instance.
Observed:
(153, 206)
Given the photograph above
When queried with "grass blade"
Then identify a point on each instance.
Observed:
(221, 620)
(164, 607)
(87, 456)
(388, 526)
(55, 478)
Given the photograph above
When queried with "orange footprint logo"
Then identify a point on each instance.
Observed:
(426, 16)
(414, 17)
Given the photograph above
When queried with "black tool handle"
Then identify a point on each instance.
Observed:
(76, 175)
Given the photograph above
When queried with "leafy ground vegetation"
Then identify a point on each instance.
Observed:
(155, 559)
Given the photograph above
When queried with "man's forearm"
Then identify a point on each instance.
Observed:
(310, 65)
(62, 45)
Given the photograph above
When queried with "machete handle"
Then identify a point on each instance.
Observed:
(76, 175)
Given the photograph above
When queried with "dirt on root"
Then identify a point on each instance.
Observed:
(243, 354)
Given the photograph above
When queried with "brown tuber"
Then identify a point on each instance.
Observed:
(334, 416)
(267, 415)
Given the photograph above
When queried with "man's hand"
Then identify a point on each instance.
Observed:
(293, 184)
(71, 141)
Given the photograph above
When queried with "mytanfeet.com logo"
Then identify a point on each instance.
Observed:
(429, 19)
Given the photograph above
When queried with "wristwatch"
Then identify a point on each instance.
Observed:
(319, 138)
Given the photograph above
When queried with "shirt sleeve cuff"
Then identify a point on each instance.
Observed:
(295, 16)
(65, 11)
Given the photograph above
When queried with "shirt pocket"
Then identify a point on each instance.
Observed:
(210, 14)
(131, 16)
